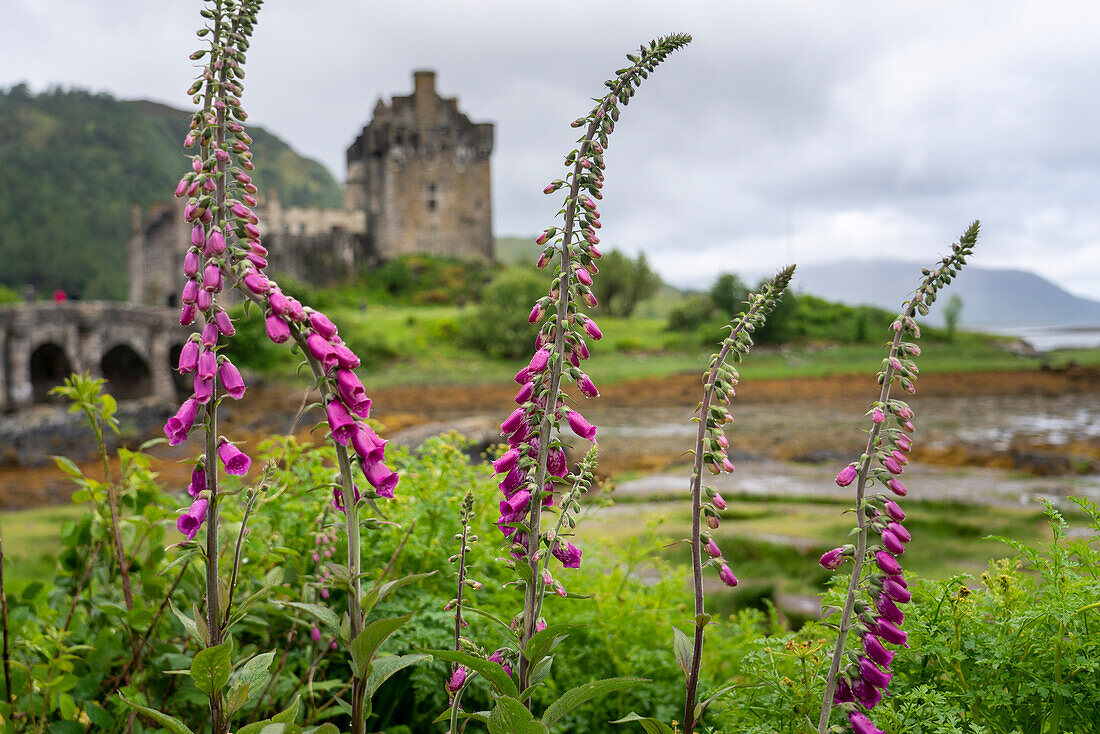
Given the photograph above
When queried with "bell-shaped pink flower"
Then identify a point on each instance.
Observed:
(322, 325)
(278, 330)
(382, 478)
(458, 677)
(593, 330)
(370, 448)
(887, 562)
(587, 388)
(257, 283)
(191, 263)
(712, 549)
(861, 724)
(875, 650)
(204, 388)
(224, 323)
(846, 476)
(236, 461)
(190, 292)
(190, 522)
(189, 357)
(179, 425)
(568, 554)
(215, 244)
(198, 480)
(341, 423)
(507, 461)
(231, 380)
(726, 574)
(894, 510)
(208, 364)
(580, 426)
(833, 559)
(321, 350)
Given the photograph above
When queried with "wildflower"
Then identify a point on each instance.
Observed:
(190, 522)
(507, 460)
(888, 609)
(315, 634)
(888, 631)
(224, 323)
(231, 380)
(513, 422)
(580, 426)
(727, 576)
(899, 530)
(341, 423)
(887, 562)
(878, 417)
(593, 330)
(843, 693)
(875, 650)
(712, 549)
(587, 388)
(862, 725)
(198, 480)
(569, 555)
(846, 476)
(894, 510)
(236, 461)
(458, 677)
(833, 559)
(370, 448)
(897, 488)
(208, 365)
(204, 389)
(896, 591)
(278, 330)
(892, 543)
(871, 673)
(179, 425)
(498, 658)
(382, 478)
(189, 357)
(866, 694)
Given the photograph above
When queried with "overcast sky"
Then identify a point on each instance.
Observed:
(787, 131)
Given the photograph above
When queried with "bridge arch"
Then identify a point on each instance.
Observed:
(48, 367)
(127, 372)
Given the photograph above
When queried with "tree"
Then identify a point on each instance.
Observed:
(499, 325)
(729, 294)
(951, 314)
(623, 283)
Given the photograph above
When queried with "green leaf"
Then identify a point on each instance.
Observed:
(290, 713)
(322, 729)
(384, 667)
(187, 622)
(542, 643)
(238, 697)
(255, 673)
(67, 705)
(210, 668)
(650, 725)
(509, 716)
(574, 697)
(323, 614)
(174, 725)
(491, 671)
(373, 635)
(682, 646)
(374, 596)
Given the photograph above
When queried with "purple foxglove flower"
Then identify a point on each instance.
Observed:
(887, 562)
(458, 677)
(212, 278)
(370, 448)
(345, 357)
(185, 182)
(522, 376)
(382, 478)
(190, 292)
(589, 299)
(908, 426)
(189, 357)
(896, 591)
(833, 559)
(512, 480)
(569, 555)
(888, 609)
(580, 426)
(582, 349)
(231, 380)
(241, 211)
(712, 549)
(179, 425)
(297, 312)
(251, 231)
(899, 457)
(846, 476)
(588, 389)
(900, 531)
(723, 441)
(515, 507)
(198, 480)
(512, 423)
(727, 576)
(322, 325)
(899, 580)
(892, 542)
(208, 365)
(904, 444)
(712, 522)
(871, 673)
(843, 692)
(522, 434)
(321, 350)
(190, 211)
(507, 460)
(719, 501)
(593, 330)
(278, 330)
(536, 314)
(224, 323)
(279, 304)
(556, 463)
(584, 276)
(236, 461)
(209, 335)
(525, 392)
(727, 465)
(893, 509)
(866, 694)
(188, 314)
(258, 260)
(198, 235)
(888, 631)
(204, 300)
(338, 502)
(215, 244)
(341, 423)
(892, 466)
(875, 650)
(257, 283)
(190, 522)
(349, 387)
(204, 388)
(878, 417)
(539, 361)
(191, 263)
(257, 248)
(861, 724)
(897, 487)
(315, 634)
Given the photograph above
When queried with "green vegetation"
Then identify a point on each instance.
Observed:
(79, 160)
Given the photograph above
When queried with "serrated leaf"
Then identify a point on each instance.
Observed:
(373, 635)
(574, 697)
(322, 613)
(682, 646)
(649, 724)
(509, 716)
(255, 673)
(489, 670)
(210, 668)
(174, 725)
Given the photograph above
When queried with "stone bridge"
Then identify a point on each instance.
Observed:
(134, 348)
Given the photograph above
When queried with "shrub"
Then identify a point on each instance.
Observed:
(499, 327)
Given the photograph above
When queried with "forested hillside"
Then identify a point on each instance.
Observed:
(73, 162)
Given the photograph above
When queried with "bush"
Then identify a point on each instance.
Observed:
(498, 327)
(690, 313)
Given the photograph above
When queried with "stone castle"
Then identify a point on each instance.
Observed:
(417, 183)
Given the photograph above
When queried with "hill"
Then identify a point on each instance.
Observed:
(76, 161)
(996, 299)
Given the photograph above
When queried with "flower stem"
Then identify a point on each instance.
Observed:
(4, 623)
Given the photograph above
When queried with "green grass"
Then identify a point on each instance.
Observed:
(32, 543)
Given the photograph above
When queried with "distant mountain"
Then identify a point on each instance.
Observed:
(74, 162)
(996, 299)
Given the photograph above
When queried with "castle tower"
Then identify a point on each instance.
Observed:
(420, 171)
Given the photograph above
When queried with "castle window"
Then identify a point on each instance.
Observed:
(431, 205)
